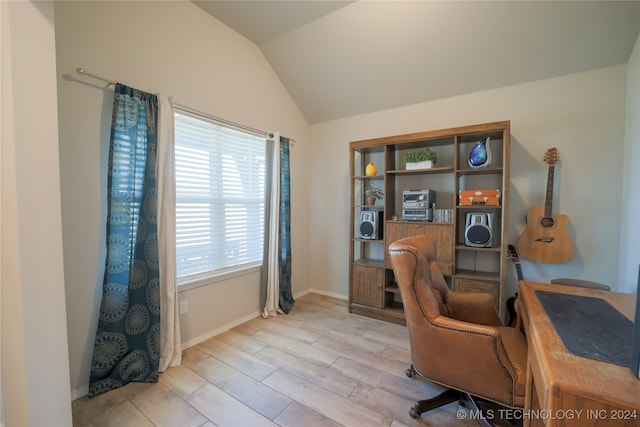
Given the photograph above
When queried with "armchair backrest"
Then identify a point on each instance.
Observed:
(417, 273)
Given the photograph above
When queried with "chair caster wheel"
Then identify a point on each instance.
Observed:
(411, 371)
(413, 413)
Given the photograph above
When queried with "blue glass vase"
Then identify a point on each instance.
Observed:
(480, 154)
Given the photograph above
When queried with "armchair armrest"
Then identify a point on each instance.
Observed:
(473, 308)
(451, 324)
(469, 357)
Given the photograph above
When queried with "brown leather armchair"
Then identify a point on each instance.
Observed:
(457, 339)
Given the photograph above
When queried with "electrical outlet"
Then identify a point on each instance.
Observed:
(184, 306)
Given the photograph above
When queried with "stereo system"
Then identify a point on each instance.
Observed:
(478, 231)
(371, 225)
(417, 204)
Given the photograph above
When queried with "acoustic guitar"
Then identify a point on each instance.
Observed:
(511, 301)
(546, 236)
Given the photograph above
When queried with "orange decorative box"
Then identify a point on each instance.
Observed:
(479, 197)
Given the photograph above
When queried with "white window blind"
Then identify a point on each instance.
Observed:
(220, 199)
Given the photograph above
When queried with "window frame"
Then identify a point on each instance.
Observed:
(209, 277)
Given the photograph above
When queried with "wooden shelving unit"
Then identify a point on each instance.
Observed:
(372, 289)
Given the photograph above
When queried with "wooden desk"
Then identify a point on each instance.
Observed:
(567, 390)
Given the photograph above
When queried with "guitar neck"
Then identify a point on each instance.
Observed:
(549, 196)
(519, 271)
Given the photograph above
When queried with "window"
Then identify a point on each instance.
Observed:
(220, 199)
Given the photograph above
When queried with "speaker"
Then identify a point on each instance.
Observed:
(478, 231)
(371, 225)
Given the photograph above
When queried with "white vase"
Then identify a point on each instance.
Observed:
(426, 164)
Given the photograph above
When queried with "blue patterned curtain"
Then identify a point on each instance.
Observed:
(284, 250)
(127, 344)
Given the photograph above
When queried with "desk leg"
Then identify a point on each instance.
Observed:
(531, 401)
(528, 393)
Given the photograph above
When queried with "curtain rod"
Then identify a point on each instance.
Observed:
(112, 85)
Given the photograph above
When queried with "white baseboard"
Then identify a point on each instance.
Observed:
(82, 391)
(79, 392)
(224, 328)
(321, 292)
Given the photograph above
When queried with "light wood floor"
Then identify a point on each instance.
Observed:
(317, 366)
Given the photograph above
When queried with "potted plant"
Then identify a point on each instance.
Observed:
(372, 193)
(420, 159)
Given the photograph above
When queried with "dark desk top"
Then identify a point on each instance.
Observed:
(589, 326)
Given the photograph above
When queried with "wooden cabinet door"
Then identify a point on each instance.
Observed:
(367, 286)
(441, 233)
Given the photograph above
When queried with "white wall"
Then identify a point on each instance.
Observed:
(176, 48)
(582, 115)
(630, 224)
(35, 363)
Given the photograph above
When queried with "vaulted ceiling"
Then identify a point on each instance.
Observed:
(341, 58)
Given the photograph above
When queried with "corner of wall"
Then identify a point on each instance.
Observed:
(629, 227)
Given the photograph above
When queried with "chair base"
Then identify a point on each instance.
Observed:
(444, 398)
(488, 414)
(493, 415)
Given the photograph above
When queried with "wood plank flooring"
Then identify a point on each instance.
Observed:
(317, 366)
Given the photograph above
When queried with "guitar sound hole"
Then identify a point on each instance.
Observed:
(547, 222)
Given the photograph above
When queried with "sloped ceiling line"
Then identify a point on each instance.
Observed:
(343, 58)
